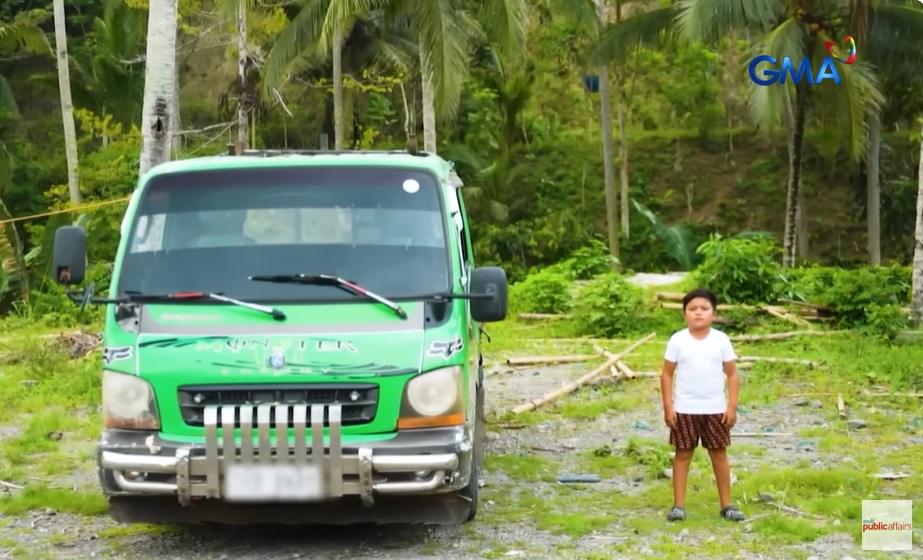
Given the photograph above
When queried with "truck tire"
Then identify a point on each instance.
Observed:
(472, 490)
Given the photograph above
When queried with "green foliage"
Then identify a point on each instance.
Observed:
(526, 141)
(678, 241)
(609, 306)
(587, 262)
(868, 298)
(547, 291)
(742, 270)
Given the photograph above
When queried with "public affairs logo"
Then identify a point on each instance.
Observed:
(887, 525)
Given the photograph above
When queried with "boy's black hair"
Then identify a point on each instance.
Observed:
(701, 293)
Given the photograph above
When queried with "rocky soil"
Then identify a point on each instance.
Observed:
(44, 533)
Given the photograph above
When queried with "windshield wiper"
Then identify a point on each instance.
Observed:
(330, 280)
(139, 297)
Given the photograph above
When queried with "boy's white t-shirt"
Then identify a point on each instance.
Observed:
(700, 376)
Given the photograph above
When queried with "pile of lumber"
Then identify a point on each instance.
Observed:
(796, 312)
(611, 366)
(618, 370)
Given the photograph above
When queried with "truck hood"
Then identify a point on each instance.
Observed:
(212, 344)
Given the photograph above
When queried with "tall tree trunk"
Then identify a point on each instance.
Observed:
(67, 105)
(794, 174)
(623, 149)
(605, 99)
(916, 305)
(873, 186)
(177, 124)
(339, 127)
(243, 63)
(429, 102)
(620, 103)
(159, 87)
(802, 235)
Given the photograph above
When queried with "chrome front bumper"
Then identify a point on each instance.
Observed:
(198, 471)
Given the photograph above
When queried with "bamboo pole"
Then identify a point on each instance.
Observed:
(781, 335)
(574, 385)
(549, 360)
(542, 316)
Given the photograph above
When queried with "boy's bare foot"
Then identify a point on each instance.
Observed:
(731, 513)
(676, 514)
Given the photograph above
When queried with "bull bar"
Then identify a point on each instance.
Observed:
(199, 471)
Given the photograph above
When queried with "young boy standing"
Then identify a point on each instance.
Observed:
(700, 358)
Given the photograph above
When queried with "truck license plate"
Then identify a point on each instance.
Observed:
(267, 483)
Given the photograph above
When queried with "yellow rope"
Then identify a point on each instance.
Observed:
(66, 210)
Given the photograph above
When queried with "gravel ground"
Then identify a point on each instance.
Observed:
(47, 534)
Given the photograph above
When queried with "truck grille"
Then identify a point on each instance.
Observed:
(358, 401)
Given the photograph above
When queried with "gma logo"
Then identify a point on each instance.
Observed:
(766, 76)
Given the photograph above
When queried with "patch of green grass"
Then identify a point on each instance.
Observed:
(44, 413)
(593, 402)
(41, 434)
(59, 499)
(824, 495)
(38, 376)
(848, 357)
(532, 468)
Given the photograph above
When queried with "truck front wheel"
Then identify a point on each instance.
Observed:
(472, 490)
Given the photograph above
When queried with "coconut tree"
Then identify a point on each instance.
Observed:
(312, 40)
(890, 35)
(159, 85)
(782, 28)
(236, 11)
(443, 30)
(796, 30)
(590, 15)
(67, 103)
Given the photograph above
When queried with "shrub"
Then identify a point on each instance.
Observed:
(588, 261)
(546, 291)
(740, 270)
(866, 298)
(609, 305)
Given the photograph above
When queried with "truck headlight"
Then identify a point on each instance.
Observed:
(128, 402)
(433, 398)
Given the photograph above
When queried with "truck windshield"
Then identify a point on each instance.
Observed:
(381, 227)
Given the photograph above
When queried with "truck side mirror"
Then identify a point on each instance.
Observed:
(489, 280)
(69, 260)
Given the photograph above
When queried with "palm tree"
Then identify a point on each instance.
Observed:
(67, 103)
(104, 80)
(591, 15)
(783, 28)
(159, 85)
(896, 29)
(443, 30)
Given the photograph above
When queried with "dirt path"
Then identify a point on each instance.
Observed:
(612, 431)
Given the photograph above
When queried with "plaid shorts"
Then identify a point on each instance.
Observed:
(690, 428)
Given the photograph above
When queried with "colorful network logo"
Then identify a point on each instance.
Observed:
(850, 47)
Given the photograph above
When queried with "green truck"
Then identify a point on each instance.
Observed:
(292, 337)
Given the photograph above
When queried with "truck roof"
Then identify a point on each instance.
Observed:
(294, 158)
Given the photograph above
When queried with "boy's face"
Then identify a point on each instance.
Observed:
(699, 313)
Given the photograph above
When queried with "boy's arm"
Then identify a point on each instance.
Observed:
(666, 384)
(730, 370)
(670, 357)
